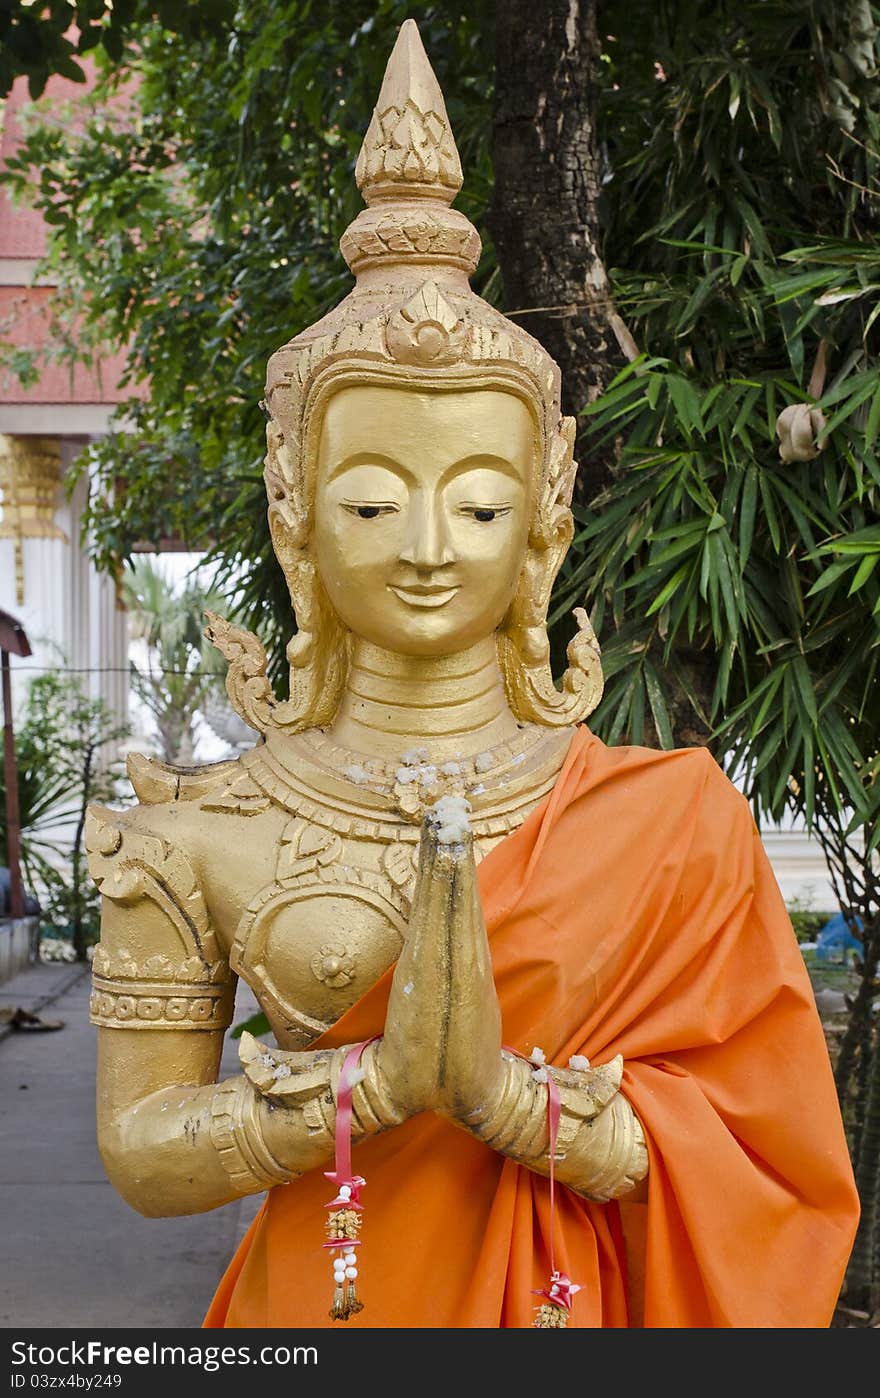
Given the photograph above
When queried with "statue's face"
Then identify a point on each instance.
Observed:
(422, 513)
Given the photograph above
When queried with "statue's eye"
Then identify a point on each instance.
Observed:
(368, 511)
(485, 514)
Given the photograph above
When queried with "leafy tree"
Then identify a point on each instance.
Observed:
(181, 668)
(39, 40)
(65, 749)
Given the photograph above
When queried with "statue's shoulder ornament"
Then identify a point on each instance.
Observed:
(216, 786)
(158, 783)
(159, 963)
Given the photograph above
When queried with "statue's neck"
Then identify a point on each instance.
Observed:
(453, 705)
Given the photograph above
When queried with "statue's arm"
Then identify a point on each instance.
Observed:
(444, 1012)
(173, 1139)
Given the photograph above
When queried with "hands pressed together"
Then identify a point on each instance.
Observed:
(441, 1046)
(441, 1051)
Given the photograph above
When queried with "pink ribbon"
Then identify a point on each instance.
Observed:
(342, 1174)
(560, 1291)
(554, 1111)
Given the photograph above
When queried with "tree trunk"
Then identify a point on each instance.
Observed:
(544, 215)
(862, 1278)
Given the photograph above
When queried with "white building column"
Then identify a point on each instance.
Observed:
(69, 610)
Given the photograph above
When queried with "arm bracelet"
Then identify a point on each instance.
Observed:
(238, 1140)
(600, 1145)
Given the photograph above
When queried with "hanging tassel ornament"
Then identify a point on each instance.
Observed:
(343, 1228)
(345, 1212)
(556, 1297)
(555, 1308)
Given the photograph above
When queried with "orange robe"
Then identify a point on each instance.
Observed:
(634, 912)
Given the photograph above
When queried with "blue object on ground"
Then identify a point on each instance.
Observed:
(31, 906)
(835, 939)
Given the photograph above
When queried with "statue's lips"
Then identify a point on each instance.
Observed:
(424, 596)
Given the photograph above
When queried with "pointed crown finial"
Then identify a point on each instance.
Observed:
(409, 150)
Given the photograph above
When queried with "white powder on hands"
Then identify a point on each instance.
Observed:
(449, 817)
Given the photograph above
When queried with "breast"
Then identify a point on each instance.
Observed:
(310, 951)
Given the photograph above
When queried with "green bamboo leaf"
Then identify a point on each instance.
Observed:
(637, 711)
(686, 403)
(770, 510)
(745, 411)
(802, 283)
(611, 397)
(688, 544)
(805, 688)
(670, 588)
(737, 268)
(872, 426)
(657, 701)
(848, 408)
(847, 384)
(830, 576)
(747, 515)
(725, 579)
(653, 388)
(869, 323)
(858, 542)
(698, 299)
(770, 689)
(863, 572)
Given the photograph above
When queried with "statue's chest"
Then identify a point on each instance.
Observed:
(333, 876)
(327, 926)
(313, 940)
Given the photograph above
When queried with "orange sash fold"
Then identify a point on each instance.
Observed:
(634, 912)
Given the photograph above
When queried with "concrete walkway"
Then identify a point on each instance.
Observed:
(75, 1255)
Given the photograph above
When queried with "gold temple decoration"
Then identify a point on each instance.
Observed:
(409, 148)
(30, 480)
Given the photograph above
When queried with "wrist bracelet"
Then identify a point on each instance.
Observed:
(238, 1140)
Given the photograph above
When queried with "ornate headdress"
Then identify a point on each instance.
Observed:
(411, 319)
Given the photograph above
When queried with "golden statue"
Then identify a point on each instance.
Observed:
(425, 842)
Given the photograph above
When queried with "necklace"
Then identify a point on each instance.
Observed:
(499, 779)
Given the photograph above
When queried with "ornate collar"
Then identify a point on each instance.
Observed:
(495, 782)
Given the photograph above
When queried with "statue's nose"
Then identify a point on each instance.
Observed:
(426, 543)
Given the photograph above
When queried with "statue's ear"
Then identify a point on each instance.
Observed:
(563, 532)
(283, 538)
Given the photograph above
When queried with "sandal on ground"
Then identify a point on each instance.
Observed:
(23, 1019)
